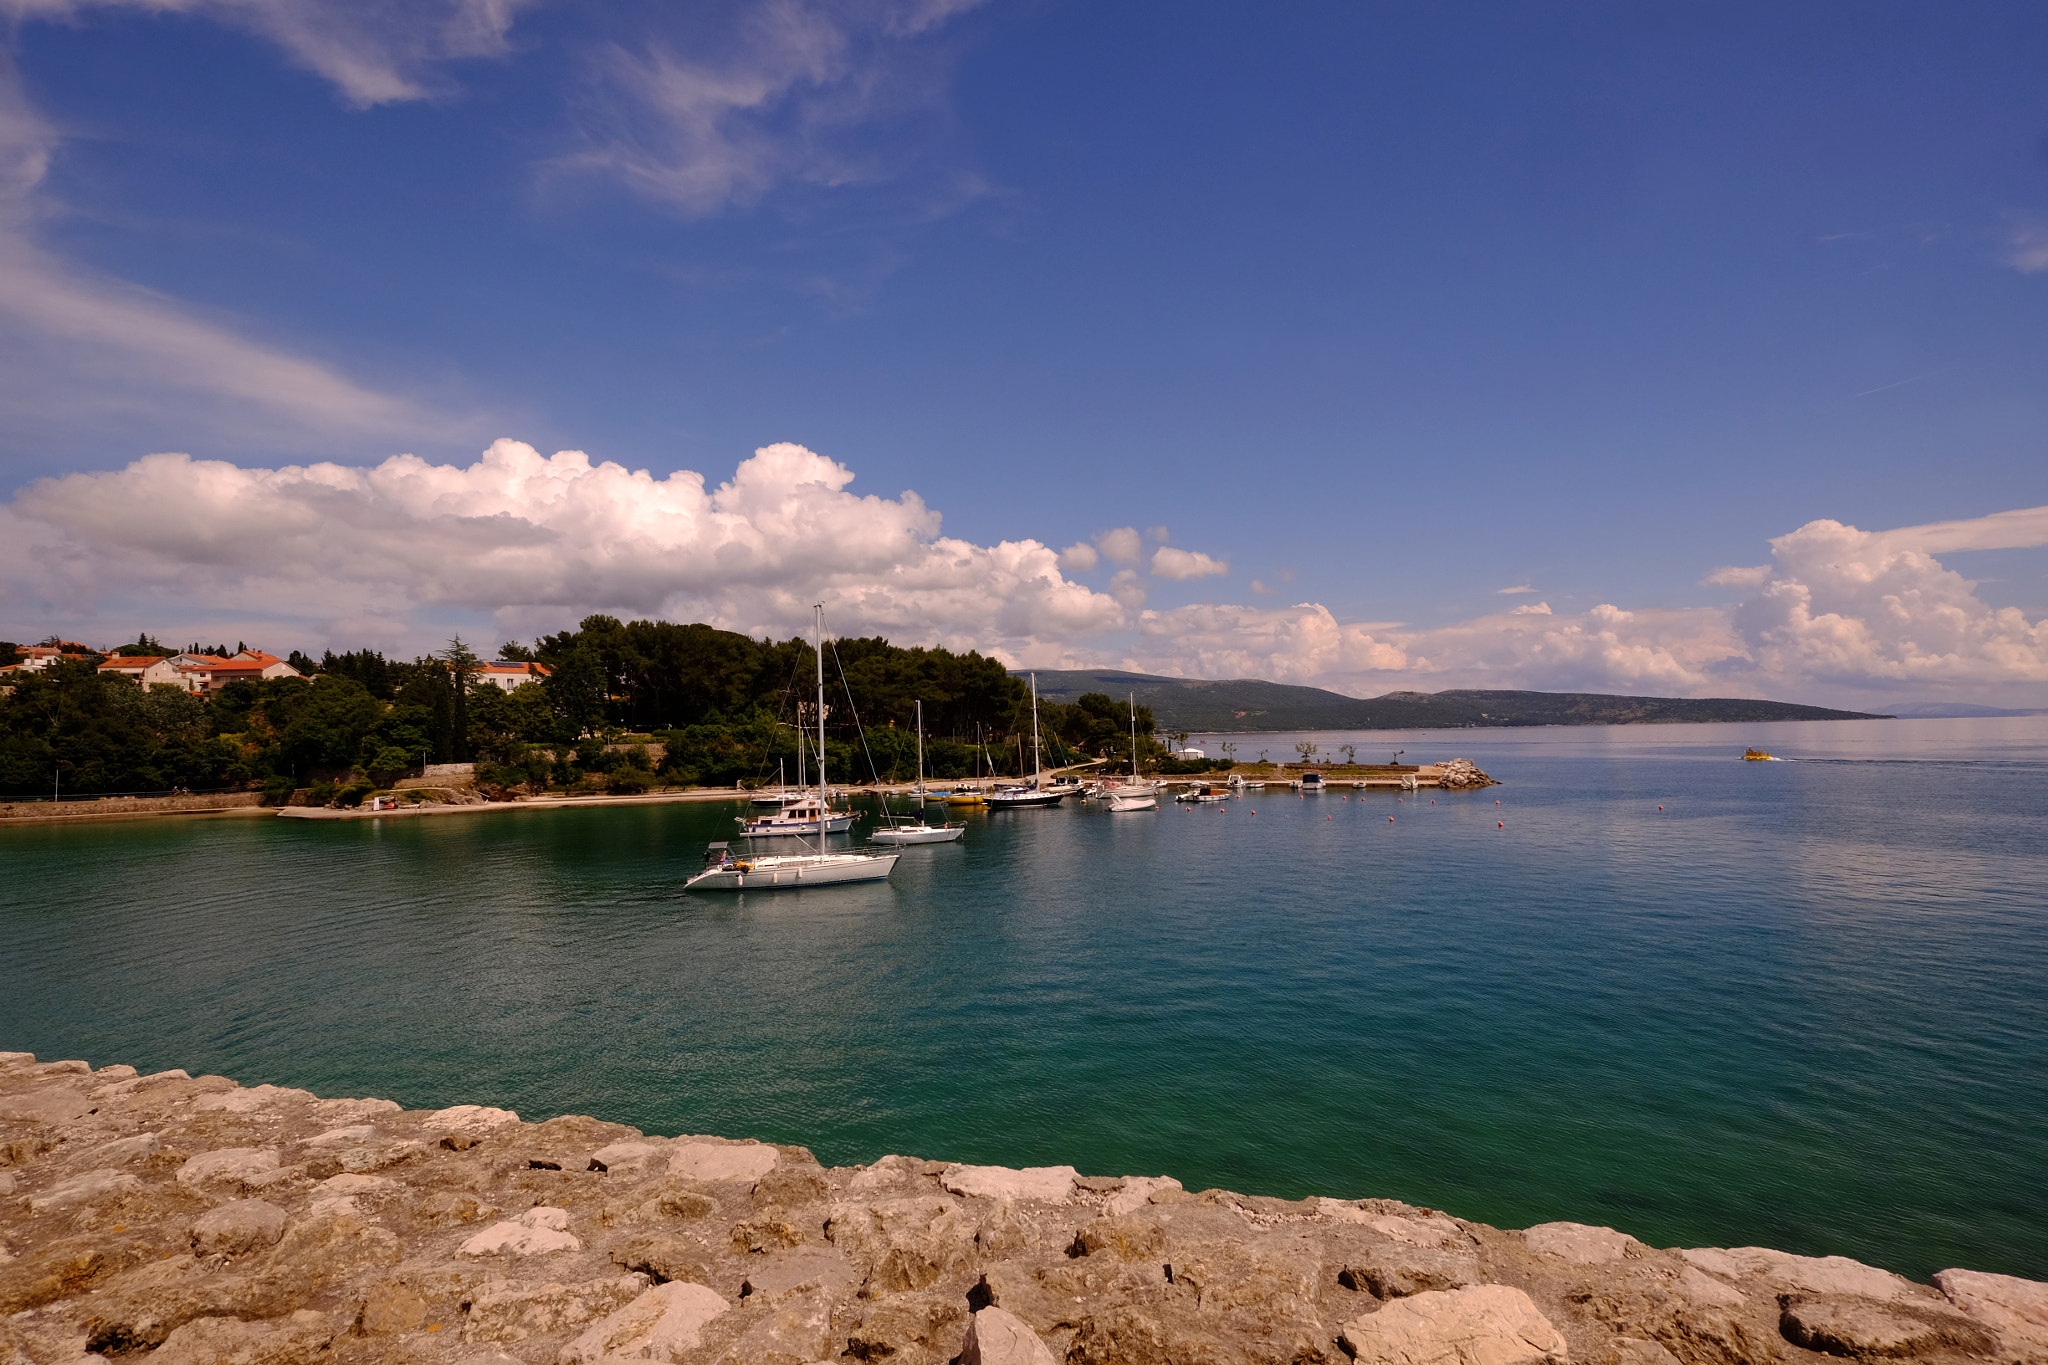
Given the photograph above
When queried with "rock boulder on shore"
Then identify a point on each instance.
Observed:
(195, 1222)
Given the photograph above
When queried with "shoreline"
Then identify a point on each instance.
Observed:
(218, 1223)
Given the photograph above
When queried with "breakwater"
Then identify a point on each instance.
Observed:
(200, 1221)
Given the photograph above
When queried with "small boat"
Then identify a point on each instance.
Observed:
(805, 815)
(1017, 797)
(917, 831)
(723, 872)
(1238, 784)
(964, 796)
(1201, 793)
(1759, 756)
(1308, 782)
(1133, 801)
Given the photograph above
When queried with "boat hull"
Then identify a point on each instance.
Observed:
(792, 872)
(922, 834)
(834, 824)
(1121, 803)
(1010, 801)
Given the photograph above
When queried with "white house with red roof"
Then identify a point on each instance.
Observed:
(508, 674)
(208, 673)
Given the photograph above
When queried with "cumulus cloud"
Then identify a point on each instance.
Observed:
(1532, 609)
(1180, 565)
(1121, 546)
(516, 533)
(1126, 587)
(374, 51)
(1079, 557)
(721, 118)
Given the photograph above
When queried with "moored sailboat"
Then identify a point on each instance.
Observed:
(1134, 795)
(917, 831)
(1011, 798)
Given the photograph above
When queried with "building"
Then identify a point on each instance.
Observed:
(209, 673)
(508, 674)
(36, 658)
(128, 665)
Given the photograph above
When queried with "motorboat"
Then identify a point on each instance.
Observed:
(1016, 797)
(723, 872)
(917, 831)
(1122, 800)
(1203, 793)
(1238, 784)
(1759, 756)
(1308, 783)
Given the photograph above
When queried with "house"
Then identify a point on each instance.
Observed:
(36, 658)
(508, 674)
(209, 673)
(128, 665)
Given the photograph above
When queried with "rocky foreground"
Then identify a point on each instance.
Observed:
(197, 1222)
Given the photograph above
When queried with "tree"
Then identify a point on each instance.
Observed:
(576, 693)
(327, 731)
(1350, 752)
(514, 652)
(1307, 750)
(463, 668)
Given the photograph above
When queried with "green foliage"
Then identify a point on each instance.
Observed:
(327, 728)
(355, 792)
(10, 653)
(105, 734)
(629, 781)
(277, 790)
(320, 793)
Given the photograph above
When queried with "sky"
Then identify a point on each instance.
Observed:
(1665, 350)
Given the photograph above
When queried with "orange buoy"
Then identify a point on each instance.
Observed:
(1501, 823)
(1390, 819)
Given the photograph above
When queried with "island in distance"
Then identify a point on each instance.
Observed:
(1254, 705)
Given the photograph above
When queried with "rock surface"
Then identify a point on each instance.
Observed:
(196, 1221)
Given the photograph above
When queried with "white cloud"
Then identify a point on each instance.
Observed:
(1180, 565)
(721, 119)
(1121, 546)
(375, 51)
(1519, 587)
(2013, 530)
(2026, 242)
(1259, 587)
(1126, 587)
(326, 546)
(1737, 576)
(1079, 558)
(1532, 609)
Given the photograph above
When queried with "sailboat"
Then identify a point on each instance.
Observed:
(917, 831)
(1134, 795)
(782, 795)
(723, 872)
(1010, 798)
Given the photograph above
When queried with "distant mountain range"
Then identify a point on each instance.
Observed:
(1955, 710)
(1247, 705)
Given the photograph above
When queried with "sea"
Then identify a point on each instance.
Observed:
(1642, 983)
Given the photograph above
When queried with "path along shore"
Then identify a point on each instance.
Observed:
(204, 1223)
(1454, 774)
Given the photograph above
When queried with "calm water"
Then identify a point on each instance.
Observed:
(1801, 1005)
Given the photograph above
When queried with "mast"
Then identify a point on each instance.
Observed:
(920, 748)
(1134, 739)
(1034, 732)
(818, 642)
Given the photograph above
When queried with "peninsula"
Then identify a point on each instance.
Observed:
(197, 1222)
(1251, 705)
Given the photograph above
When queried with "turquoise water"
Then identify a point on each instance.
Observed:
(1801, 1005)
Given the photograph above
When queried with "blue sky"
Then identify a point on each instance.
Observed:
(1388, 308)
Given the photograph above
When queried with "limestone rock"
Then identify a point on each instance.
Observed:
(672, 1201)
(770, 1278)
(1704, 1288)
(1843, 1325)
(795, 1329)
(1488, 1324)
(627, 1159)
(509, 1313)
(662, 1259)
(1391, 1270)
(230, 1341)
(1806, 1274)
(468, 1118)
(246, 1167)
(995, 1337)
(235, 1228)
(91, 1188)
(49, 1106)
(1136, 1192)
(125, 1151)
(2016, 1307)
(1578, 1243)
(1051, 1183)
(659, 1325)
(534, 1233)
(390, 1307)
(711, 1162)
(251, 1100)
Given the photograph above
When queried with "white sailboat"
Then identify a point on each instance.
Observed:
(917, 831)
(780, 871)
(1010, 798)
(1134, 795)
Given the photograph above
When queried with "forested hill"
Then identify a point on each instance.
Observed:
(1250, 704)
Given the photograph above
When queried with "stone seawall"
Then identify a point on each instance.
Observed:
(201, 1223)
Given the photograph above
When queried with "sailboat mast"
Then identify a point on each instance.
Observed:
(819, 643)
(1034, 730)
(920, 747)
(1134, 739)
